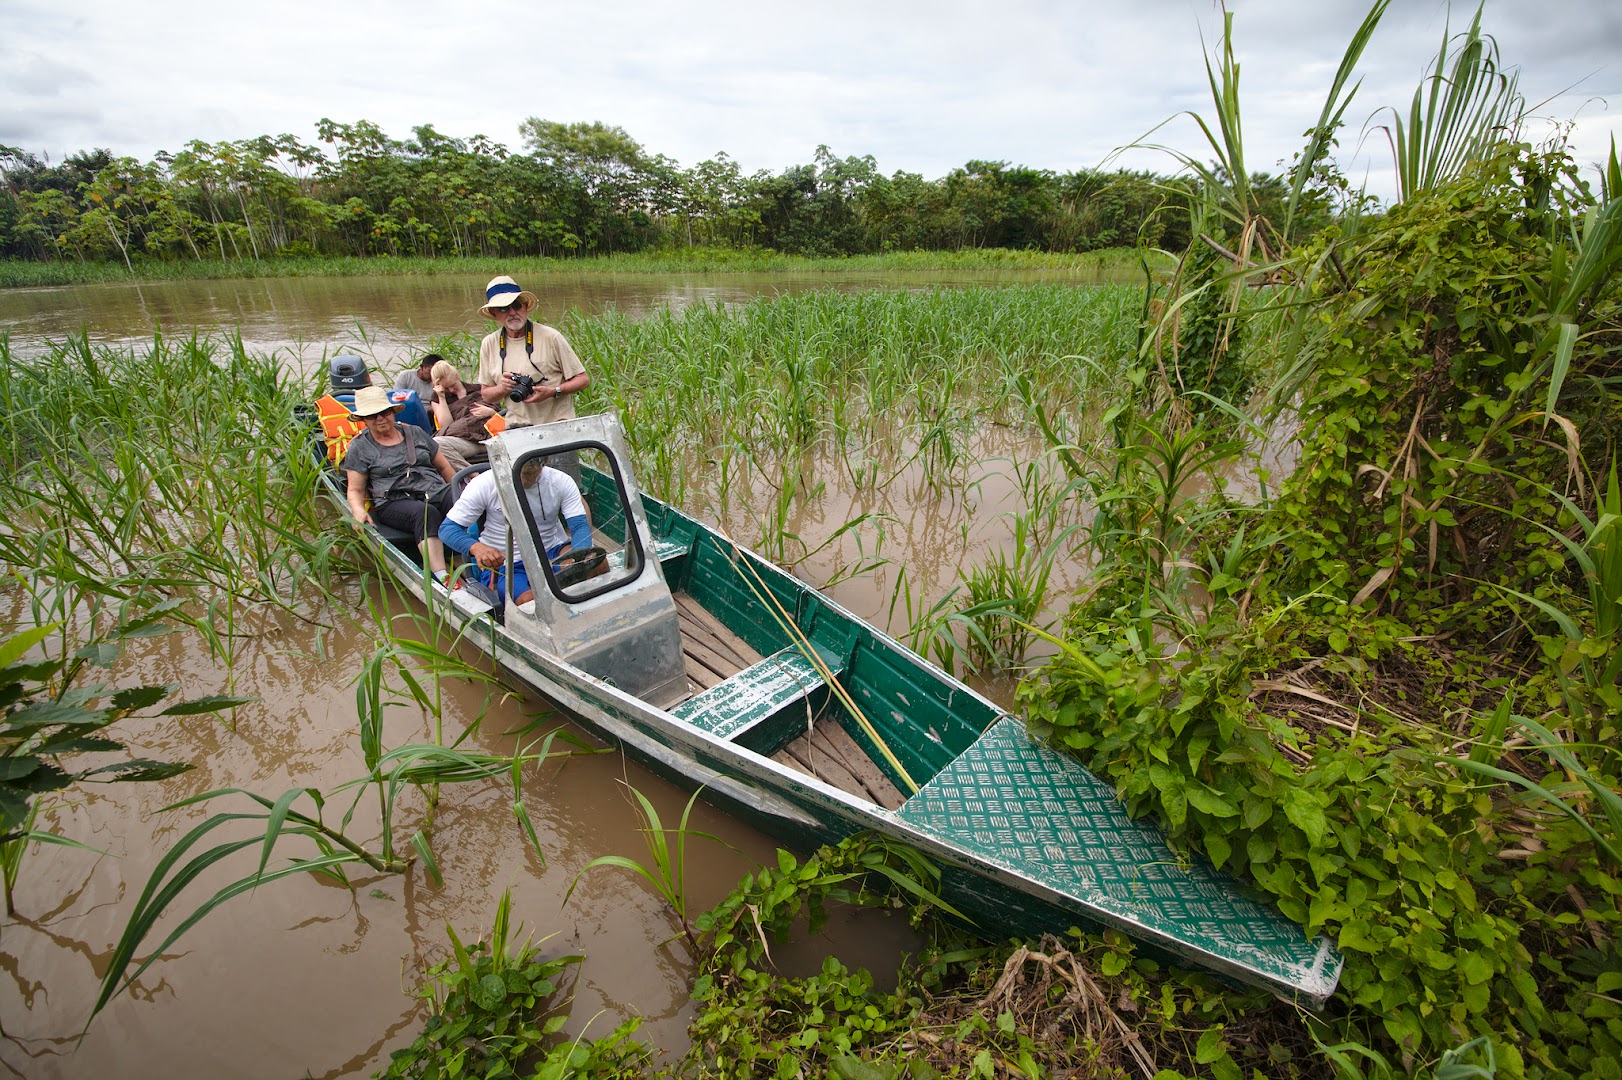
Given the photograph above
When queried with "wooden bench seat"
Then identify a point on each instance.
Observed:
(758, 694)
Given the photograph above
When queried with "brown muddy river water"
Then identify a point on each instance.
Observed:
(305, 977)
(391, 319)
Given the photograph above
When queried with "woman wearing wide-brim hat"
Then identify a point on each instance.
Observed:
(520, 347)
(398, 467)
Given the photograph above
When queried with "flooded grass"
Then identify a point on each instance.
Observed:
(874, 380)
(27, 273)
(840, 432)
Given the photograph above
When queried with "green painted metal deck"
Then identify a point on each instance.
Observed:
(1038, 815)
(755, 695)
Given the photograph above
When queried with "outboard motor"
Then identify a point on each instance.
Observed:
(348, 373)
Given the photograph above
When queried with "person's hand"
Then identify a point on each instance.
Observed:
(486, 556)
(362, 516)
(480, 412)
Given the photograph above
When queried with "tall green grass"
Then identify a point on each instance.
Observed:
(23, 273)
(176, 471)
(876, 379)
(176, 481)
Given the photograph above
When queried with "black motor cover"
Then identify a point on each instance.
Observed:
(349, 372)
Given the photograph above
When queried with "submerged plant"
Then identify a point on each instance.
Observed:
(493, 1013)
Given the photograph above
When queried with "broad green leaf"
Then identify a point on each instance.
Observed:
(46, 713)
(488, 992)
(1209, 801)
(102, 654)
(139, 697)
(1211, 1046)
(1306, 814)
(14, 647)
(211, 703)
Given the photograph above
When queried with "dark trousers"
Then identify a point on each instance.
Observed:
(418, 517)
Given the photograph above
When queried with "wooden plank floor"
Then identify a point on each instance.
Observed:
(712, 652)
(832, 756)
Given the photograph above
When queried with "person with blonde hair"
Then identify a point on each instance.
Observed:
(461, 414)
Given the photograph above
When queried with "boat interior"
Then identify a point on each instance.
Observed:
(745, 628)
(746, 631)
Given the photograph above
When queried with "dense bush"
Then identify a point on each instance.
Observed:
(1394, 705)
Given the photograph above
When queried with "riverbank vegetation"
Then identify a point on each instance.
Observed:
(1387, 691)
(576, 190)
(26, 273)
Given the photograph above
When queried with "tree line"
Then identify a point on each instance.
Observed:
(577, 189)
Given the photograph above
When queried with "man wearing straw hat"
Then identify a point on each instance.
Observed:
(521, 349)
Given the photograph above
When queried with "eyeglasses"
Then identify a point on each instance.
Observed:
(515, 306)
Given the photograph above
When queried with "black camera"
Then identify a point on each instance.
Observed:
(523, 386)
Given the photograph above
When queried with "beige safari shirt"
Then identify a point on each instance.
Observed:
(554, 362)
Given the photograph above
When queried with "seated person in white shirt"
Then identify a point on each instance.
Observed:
(551, 494)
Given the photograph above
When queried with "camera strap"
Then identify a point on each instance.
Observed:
(529, 344)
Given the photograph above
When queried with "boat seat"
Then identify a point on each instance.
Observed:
(782, 682)
(664, 550)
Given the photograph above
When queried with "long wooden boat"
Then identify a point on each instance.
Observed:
(713, 667)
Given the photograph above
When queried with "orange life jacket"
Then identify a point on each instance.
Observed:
(337, 426)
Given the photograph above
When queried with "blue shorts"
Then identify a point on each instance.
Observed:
(497, 580)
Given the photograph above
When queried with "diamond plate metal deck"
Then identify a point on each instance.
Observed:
(1041, 816)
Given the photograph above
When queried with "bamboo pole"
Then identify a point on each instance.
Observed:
(739, 560)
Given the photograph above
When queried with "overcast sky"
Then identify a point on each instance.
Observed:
(922, 86)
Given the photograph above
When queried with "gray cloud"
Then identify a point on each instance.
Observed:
(922, 86)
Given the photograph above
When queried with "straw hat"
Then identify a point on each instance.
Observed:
(371, 400)
(502, 291)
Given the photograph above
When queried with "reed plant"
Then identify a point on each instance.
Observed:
(28, 273)
(666, 870)
(397, 772)
(881, 381)
(1009, 592)
(174, 486)
(178, 469)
